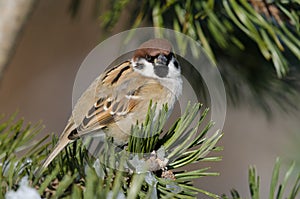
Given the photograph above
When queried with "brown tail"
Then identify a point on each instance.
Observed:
(58, 148)
(62, 143)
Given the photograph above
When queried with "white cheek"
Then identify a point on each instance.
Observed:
(173, 81)
(147, 70)
(173, 71)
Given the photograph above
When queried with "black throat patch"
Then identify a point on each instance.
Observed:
(161, 70)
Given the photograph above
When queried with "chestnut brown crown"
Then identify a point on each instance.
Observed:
(153, 47)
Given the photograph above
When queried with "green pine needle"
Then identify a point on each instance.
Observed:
(76, 174)
(277, 189)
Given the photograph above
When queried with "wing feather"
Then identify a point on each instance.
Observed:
(114, 105)
(120, 91)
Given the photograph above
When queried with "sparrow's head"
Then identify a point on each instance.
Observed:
(155, 58)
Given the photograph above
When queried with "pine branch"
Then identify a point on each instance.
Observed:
(273, 26)
(276, 190)
(154, 170)
(143, 169)
(266, 33)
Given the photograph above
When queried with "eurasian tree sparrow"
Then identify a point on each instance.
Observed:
(120, 97)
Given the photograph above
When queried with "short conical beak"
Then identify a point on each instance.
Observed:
(161, 60)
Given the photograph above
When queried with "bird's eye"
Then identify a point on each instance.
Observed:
(148, 58)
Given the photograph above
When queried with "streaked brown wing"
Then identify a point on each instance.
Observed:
(114, 101)
(116, 74)
(105, 113)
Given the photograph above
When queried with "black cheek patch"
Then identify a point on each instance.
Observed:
(139, 66)
(176, 64)
(161, 70)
